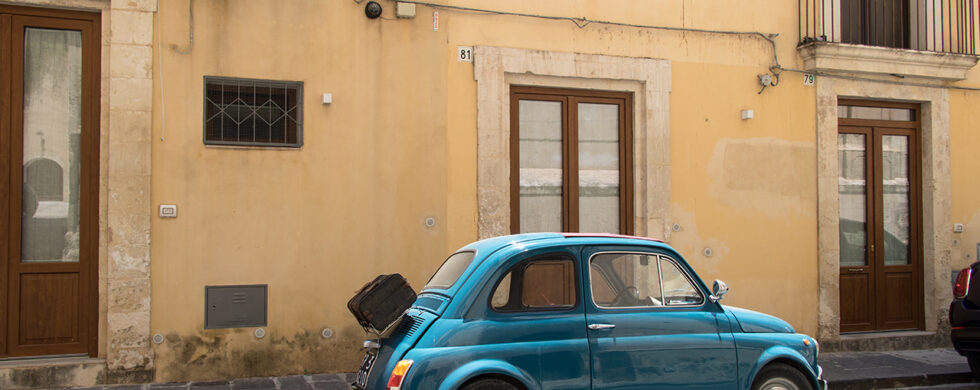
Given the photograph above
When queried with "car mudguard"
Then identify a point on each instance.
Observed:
(477, 368)
(784, 353)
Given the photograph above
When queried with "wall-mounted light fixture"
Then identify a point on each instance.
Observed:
(372, 10)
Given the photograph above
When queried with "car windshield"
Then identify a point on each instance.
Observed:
(450, 271)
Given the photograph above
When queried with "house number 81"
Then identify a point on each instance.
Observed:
(464, 53)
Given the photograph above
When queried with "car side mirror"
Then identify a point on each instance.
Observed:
(718, 291)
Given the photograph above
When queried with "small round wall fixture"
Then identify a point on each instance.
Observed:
(259, 333)
(326, 333)
(157, 338)
(372, 10)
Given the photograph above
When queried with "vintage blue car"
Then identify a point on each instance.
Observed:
(582, 311)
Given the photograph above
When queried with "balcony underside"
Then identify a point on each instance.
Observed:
(830, 57)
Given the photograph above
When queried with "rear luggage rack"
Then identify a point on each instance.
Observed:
(380, 305)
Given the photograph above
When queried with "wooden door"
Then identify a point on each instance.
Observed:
(879, 210)
(49, 148)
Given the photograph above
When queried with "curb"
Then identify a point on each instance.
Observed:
(901, 381)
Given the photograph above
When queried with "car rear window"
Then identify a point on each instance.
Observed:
(450, 270)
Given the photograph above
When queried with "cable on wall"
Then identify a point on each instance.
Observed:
(163, 105)
(583, 22)
(190, 46)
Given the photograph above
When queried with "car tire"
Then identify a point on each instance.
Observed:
(490, 384)
(974, 360)
(781, 376)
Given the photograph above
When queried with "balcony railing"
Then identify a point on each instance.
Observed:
(945, 26)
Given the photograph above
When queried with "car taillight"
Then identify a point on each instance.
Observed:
(962, 286)
(398, 374)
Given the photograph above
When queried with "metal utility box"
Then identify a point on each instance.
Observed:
(235, 306)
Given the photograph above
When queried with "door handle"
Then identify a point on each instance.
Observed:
(855, 270)
(601, 326)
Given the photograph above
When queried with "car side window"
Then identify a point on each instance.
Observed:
(541, 284)
(678, 290)
(620, 280)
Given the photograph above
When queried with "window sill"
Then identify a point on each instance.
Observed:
(833, 57)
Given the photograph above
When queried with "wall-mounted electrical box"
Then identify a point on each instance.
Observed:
(235, 306)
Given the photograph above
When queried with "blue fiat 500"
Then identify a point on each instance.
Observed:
(582, 311)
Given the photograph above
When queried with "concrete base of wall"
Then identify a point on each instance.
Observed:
(886, 341)
(51, 373)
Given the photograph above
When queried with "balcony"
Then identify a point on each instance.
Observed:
(931, 39)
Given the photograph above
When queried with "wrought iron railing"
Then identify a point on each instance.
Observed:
(945, 26)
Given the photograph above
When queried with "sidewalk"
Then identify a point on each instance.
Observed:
(843, 370)
(893, 369)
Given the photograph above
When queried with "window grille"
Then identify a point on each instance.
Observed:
(247, 112)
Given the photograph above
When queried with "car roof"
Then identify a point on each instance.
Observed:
(485, 249)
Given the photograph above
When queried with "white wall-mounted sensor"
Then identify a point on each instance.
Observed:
(327, 98)
(748, 114)
(168, 211)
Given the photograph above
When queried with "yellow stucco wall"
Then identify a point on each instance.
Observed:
(399, 144)
(964, 139)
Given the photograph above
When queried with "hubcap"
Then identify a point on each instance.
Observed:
(778, 384)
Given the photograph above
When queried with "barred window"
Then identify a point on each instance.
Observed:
(253, 112)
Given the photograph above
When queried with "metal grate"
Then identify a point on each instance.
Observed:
(410, 325)
(252, 112)
(944, 26)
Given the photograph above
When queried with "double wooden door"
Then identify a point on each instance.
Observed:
(49, 154)
(879, 199)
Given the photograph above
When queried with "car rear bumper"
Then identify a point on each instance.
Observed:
(965, 339)
(821, 383)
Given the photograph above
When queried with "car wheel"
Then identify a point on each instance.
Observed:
(974, 361)
(490, 384)
(781, 377)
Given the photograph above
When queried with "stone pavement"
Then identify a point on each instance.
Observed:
(894, 369)
(843, 370)
(294, 382)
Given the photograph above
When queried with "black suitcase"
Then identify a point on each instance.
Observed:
(381, 302)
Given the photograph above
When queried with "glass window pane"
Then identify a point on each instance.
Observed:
(598, 176)
(450, 270)
(52, 145)
(540, 170)
(678, 290)
(634, 280)
(548, 284)
(895, 194)
(876, 113)
(852, 191)
(501, 296)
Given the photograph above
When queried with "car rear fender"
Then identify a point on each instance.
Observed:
(482, 367)
(786, 355)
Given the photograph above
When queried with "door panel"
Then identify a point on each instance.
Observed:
(49, 164)
(854, 162)
(856, 310)
(49, 308)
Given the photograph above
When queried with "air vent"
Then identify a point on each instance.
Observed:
(410, 325)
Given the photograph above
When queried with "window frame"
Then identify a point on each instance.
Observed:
(570, 194)
(288, 84)
(518, 287)
(659, 256)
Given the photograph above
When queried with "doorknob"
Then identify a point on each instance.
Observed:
(601, 326)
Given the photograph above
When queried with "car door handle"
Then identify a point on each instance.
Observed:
(601, 326)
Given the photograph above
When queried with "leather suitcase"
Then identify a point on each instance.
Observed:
(381, 302)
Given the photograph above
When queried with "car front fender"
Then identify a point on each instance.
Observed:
(781, 353)
(477, 368)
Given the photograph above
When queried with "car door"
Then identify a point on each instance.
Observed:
(651, 326)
